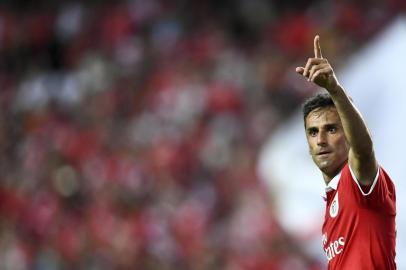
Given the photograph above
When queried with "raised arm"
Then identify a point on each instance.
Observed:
(361, 156)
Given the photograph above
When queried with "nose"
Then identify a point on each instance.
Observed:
(321, 138)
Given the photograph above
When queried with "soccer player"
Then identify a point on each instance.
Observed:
(359, 224)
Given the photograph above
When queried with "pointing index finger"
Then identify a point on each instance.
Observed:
(317, 49)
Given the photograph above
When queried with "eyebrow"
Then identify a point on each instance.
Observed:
(325, 126)
(312, 129)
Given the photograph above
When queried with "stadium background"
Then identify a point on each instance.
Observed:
(130, 130)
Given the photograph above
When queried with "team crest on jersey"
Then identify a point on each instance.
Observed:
(334, 207)
(324, 238)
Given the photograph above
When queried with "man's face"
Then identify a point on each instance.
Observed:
(327, 144)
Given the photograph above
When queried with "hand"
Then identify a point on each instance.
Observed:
(318, 70)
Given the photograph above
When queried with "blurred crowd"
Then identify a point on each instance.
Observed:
(129, 130)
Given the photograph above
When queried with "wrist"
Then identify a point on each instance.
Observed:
(334, 89)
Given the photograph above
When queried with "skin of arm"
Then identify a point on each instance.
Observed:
(361, 157)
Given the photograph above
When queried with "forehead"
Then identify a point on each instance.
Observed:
(322, 117)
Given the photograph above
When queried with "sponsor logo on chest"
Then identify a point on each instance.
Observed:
(333, 248)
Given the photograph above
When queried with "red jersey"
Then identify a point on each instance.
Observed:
(359, 231)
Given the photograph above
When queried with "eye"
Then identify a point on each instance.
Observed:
(332, 129)
(312, 132)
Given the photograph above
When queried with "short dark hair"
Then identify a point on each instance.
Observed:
(320, 100)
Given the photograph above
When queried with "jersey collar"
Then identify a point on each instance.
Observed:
(332, 185)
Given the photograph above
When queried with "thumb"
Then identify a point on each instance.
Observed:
(300, 70)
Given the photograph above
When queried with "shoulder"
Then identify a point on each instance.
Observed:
(365, 190)
(380, 193)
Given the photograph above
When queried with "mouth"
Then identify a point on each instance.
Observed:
(322, 153)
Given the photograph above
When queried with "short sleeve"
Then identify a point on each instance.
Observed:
(379, 195)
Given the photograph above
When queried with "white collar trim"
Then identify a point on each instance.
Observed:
(332, 185)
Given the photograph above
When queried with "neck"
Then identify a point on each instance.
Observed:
(328, 176)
